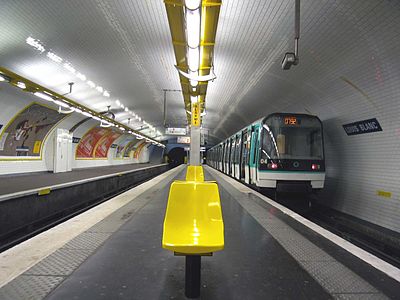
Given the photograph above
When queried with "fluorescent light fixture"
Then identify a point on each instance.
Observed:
(43, 96)
(192, 4)
(54, 57)
(81, 76)
(189, 112)
(91, 84)
(140, 119)
(194, 99)
(85, 113)
(71, 110)
(122, 128)
(105, 124)
(193, 58)
(117, 102)
(126, 109)
(203, 113)
(122, 106)
(99, 89)
(106, 94)
(21, 85)
(3, 78)
(35, 44)
(78, 110)
(194, 76)
(193, 82)
(96, 118)
(69, 68)
(193, 27)
(62, 104)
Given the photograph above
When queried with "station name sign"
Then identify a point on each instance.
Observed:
(360, 127)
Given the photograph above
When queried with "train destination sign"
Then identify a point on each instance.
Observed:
(360, 127)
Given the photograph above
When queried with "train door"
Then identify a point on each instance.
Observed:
(253, 155)
(221, 157)
(243, 156)
(237, 156)
(246, 157)
(231, 162)
(226, 157)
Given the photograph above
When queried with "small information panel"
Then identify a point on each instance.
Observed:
(360, 127)
(183, 140)
(195, 114)
(175, 131)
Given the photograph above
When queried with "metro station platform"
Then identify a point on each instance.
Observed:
(113, 251)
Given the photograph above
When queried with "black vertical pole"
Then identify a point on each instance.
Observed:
(192, 276)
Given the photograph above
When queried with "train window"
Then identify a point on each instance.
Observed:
(284, 140)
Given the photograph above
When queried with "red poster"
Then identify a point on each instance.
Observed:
(104, 144)
(87, 144)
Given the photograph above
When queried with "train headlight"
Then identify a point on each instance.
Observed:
(272, 166)
(315, 167)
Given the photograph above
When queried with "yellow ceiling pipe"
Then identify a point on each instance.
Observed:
(177, 23)
(32, 87)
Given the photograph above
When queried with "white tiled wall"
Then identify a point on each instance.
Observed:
(349, 70)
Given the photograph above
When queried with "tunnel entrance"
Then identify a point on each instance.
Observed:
(176, 156)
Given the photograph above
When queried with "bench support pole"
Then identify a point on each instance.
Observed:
(192, 276)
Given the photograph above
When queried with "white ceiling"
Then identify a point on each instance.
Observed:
(125, 46)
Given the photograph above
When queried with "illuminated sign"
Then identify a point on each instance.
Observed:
(291, 121)
(175, 131)
(183, 139)
(360, 127)
(196, 114)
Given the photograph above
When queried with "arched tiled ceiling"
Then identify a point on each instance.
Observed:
(123, 46)
(347, 47)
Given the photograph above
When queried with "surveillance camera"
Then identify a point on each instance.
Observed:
(289, 60)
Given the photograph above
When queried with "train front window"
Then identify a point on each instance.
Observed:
(292, 138)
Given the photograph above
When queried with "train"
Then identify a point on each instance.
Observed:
(282, 152)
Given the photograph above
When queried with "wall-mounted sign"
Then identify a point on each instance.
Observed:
(196, 114)
(183, 139)
(175, 131)
(360, 127)
(75, 140)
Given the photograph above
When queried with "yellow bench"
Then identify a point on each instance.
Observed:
(195, 173)
(193, 221)
(193, 224)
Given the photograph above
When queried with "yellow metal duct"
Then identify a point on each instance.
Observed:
(209, 21)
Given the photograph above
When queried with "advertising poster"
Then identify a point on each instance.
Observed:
(101, 149)
(25, 134)
(119, 153)
(139, 150)
(88, 142)
(130, 147)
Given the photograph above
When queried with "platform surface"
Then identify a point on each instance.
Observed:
(22, 182)
(267, 256)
